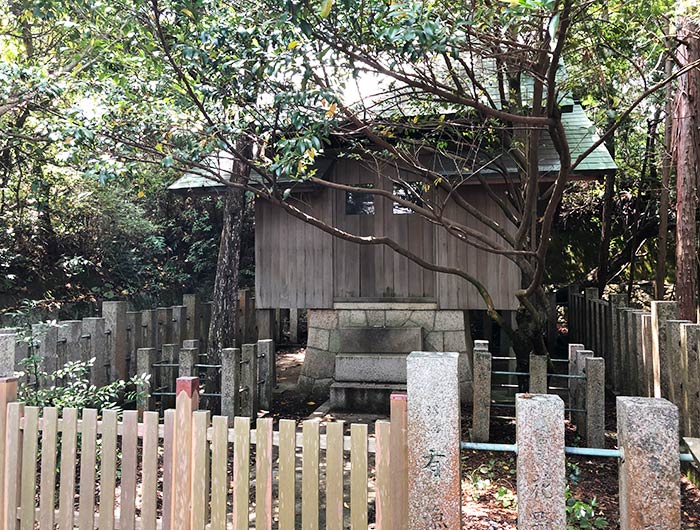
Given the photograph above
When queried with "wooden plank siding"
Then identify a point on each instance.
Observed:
(300, 266)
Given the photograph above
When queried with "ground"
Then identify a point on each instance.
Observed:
(489, 478)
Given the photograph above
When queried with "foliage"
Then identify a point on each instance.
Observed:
(70, 386)
(582, 515)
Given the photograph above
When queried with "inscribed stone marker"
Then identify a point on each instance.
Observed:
(433, 440)
(481, 414)
(538, 374)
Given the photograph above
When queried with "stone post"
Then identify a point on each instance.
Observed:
(46, 339)
(266, 323)
(191, 302)
(627, 367)
(650, 369)
(647, 432)
(69, 341)
(481, 415)
(595, 401)
(673, 347)
(267, 373)
(433, 441)
(638, 359)
(170, 354)
(134, 336)
(145, 358)
(249, 381)
(94, 328)
(294, 326)
(661, 312)
(8, 343)
(690, 385)
(590, 294)
(179, 331)
(538, 374)
(573, 370)
(541, 467)
(149, 329)
(230, 382)
(188, 358)
(617, 301)
(114, 314)
(165, 325)
(579, 415)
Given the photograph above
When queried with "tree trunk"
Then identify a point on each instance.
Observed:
(687, 161)
(224, 311)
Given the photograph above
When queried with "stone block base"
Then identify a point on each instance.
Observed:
(365, 397)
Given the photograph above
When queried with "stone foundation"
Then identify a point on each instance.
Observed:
(442, 331)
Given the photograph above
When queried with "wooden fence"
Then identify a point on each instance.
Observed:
(648, 353)
(80, 470)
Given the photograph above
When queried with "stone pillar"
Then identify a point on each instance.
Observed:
(149, 329)
(638, 359)
(94, 327)
(46, 337)
(249, 381)
(188, 358)
(627, 357)
(267, 373)
(165, 325)
(230, 382)
(538, 374)
(690, 385)
(191, 302)
(69, 341)
(145, 358)
(579, 402)
(541, 467)
(673, 347)
(294, 326)
(573, 383)
(134, 337)
(590, 294)
(650, 370)
(266, 323)
(114, 314)
(170, 353)
(661, 312)
(481, 403)
(179, 331)
(8, 344)
(617, 301)
(595, 401)
(433, 441)
(647, 432)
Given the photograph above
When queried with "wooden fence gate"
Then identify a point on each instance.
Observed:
(191, 472)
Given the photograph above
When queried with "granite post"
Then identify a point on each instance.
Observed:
(650, 370)
(433, 441)
(595, 401)
(149, 329)
(661, 312)
(481, 402)
(8, 343)
(579, 416)
(541, 467)
(590, 294)
(179, 319)
(169, 354)
(191, 302)
(649, 472)
(230, 382)
(538, 374)
(267, 373)
(145, 358)
(187, 359)
(165, 325)
(69, 341)
(248, 394)
(114, 314)
(46, 340)
(690, 385)
(573, 383)
(617, 301)
(637, 345)
(94, 328)
(675, 371)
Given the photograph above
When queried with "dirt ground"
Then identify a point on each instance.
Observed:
(489, 500)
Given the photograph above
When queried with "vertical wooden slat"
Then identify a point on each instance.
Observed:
(88, 458)
(47, 486)
(13, 469)
(186, 402)
(66, 489)
(334, 475)
(263, 474)
(200, 469)
(287, 474)
(29, 453)
(8, 394)
(127, 506)
(358, 476)
(219, 475)
(149, 466)
(399, 461)
(108, 469)
(309, 475)
(383, 479)
(168, 434)
(241, 472)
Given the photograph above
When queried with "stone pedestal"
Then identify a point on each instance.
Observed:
(541, 463)
(433, 441)
(647, 431)
(481, 416)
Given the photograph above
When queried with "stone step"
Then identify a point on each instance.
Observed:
(371, 367)
(363, 397)
(380, 340)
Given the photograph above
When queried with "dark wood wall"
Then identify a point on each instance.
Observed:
(298, 265)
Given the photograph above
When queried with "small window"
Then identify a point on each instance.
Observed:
(409, 191)
(359, 203)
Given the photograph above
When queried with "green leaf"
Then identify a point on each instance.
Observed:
(326, 8)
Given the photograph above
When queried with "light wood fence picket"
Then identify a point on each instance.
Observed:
(68, 470)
